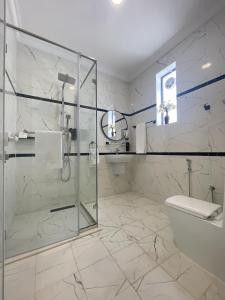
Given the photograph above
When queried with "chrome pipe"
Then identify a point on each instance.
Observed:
(189, 176)
(77, 125)
(212, 189)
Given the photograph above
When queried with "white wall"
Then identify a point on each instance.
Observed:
(197, 130)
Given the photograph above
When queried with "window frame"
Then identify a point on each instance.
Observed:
(160, 91)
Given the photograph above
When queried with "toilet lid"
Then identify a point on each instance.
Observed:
(195, 207)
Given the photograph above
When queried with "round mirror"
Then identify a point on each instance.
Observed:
(114, 125)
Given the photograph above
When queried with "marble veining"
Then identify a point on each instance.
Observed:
(135, 259)
(33, 230)
(197, 130)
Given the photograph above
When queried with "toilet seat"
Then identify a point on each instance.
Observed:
(198, 208)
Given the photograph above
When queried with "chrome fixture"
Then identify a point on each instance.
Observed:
(189, 176)
(66, 79)
(207, 106)
(212, 189)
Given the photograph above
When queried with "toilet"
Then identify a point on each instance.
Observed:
(198, 228)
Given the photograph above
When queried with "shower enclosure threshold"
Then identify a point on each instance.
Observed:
(46, 227)
(92, 229)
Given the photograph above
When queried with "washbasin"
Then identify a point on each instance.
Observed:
(118, 158)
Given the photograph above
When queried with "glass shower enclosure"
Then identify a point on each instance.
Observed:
(2, 96)
(50, 124)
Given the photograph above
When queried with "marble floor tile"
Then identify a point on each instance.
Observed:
(220, 286)
(138, 213)
(88, 250)
(134, 262)
(157, 248)
(20, 280)
(155, 223)
(176, 265)
(159, 285)
(69, 288)
(132, 257)
(120, 215)
(54, 265)
(213, 293)
(137, 230)
(130, 196)
(117, 239)
(102, 280)
(166, 233)
(195, 281)
(127, 294)
(33, 230)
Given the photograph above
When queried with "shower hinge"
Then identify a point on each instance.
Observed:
(6, 48)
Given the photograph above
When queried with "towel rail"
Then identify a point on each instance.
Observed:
(149, 122)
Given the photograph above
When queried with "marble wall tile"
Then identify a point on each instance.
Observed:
(37, 70)
(159, 177)
(109, 184)
(197, 130)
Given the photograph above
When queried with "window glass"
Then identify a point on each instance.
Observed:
(166, 94)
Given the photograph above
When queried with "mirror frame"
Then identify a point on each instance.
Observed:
(103, 129)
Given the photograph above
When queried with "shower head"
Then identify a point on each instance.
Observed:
(65, 78)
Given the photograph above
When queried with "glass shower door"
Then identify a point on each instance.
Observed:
(88, 141)
(51, 176)
(41, 112)
(2, 74)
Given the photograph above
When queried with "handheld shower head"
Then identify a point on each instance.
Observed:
(65, 78)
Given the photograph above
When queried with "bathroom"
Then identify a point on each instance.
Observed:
(112, 150)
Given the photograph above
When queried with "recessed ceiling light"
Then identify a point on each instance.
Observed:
(206, 66)
(117, 2)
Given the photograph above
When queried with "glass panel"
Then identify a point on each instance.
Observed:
(169, 95)
(166, 95)
(88, 137)
(43, 207)
(2, 72)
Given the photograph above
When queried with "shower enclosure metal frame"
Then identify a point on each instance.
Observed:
(77, 114)
(2, 145)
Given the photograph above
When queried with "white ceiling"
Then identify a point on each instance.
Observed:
(123, 39)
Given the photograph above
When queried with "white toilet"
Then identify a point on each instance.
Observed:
(199, 232)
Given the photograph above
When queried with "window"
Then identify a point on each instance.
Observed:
(166, 95)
